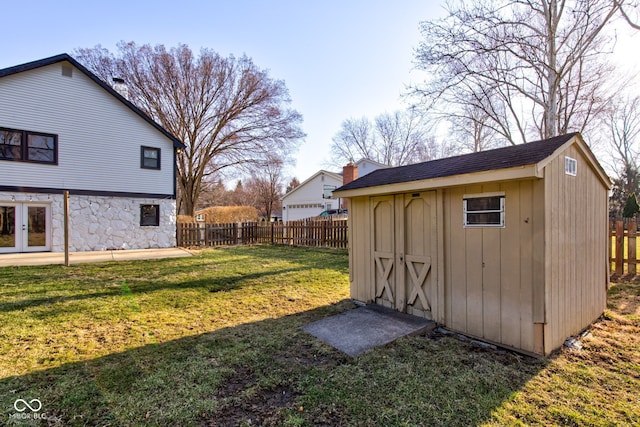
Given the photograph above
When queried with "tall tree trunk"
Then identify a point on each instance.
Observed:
(550, 127)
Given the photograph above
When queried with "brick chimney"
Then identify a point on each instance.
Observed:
(349, 173)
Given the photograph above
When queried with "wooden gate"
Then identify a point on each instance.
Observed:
(405, 251)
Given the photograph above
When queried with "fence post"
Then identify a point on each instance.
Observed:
(324, 232)
(632, 227)
(619, 247)
(272, 228)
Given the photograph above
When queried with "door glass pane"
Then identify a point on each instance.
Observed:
(37, 226)
(7, 226)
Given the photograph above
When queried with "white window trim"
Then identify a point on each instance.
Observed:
(465, 197)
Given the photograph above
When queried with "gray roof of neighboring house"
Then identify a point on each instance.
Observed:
(499, 158)
(65, 57)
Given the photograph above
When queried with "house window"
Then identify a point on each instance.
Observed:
(149, 215)
(41, 148)
(28, 146)
(149, 158)
(570, 166)
(327, 191)
(484, 210)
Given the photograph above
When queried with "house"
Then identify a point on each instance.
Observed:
(366, 166)
(311, 197)
(506, 245)
(63, 129)
(314, 195)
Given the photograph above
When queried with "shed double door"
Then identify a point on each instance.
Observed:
(404, 252)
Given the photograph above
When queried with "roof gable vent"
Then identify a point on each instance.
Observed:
(67, 70)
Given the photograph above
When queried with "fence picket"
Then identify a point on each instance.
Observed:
(314, 233)
(623, 262)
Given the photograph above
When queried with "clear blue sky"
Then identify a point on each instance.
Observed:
(339, 58)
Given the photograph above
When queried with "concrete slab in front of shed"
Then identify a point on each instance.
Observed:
(363, 328)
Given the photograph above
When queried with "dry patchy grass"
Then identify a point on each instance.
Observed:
(215, 340)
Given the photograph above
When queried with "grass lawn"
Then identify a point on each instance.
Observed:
(215, 340)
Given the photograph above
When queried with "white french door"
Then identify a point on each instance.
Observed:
(25, 227)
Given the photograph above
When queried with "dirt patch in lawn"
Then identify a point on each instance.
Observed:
(260, 407)
(244, 402)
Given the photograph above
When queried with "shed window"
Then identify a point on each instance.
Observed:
(570, 166)
(484, 211)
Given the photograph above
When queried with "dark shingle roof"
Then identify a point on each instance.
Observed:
(499, 158)
(65, 57)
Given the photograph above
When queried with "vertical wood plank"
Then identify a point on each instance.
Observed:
(631, 246)
(619, 247)
(400, 252)
(512, 242)
(473, 254)
(440, 313)
(540, 235)
(457, 298)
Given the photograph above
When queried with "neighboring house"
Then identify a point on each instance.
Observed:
(366, 166)
(506, 245)
(311, 197)
(314, 195)
(63, 129)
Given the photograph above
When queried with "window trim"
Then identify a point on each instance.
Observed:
(156, 222)
(142, 157)
(501, 210)
(24, 146)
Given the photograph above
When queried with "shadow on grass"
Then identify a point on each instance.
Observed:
(211, 284)
(270, 372)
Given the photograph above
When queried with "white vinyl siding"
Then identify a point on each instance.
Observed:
(308, 199)
(99, 138)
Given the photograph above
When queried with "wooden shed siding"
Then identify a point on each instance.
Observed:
(99, 138)
(489, 271)
(359, 250)
(576, 229)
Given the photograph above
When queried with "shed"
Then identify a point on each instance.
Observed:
(506, 245)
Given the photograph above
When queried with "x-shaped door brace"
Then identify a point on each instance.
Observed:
(385, 272)
(417, 280)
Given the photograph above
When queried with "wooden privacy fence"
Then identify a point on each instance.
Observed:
(623, 249)
(315, 233)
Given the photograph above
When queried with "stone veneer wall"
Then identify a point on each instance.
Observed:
(104, 223)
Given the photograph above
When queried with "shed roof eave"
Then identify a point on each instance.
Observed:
(514, 173)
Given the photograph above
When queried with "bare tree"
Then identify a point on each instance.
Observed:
(265, 185)
(624, 122)
(227, 111)
(624, 139)
(532, 68)
(295, 182)
(213, 193)
(393, 139)
(630, 11)
(471, 127)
